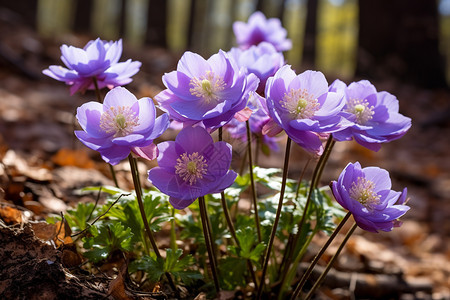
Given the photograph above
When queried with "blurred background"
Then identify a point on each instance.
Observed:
(401, 46)
(405, 39)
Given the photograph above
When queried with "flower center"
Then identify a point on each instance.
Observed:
(119, 120)
(207, 87)
(300, 104)
(363, 191)
(361, 109)
(191, 167)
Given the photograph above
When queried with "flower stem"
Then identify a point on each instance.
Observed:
(138, 189)
(173, 235)
(299, 183)
(252, 181)
(318, 256)
(287, 278)
(97, 90)
(258, 146)
(208, 241)
(230, 220)
(277, 219)
(99, 99)
(314, 181)
(225, 206)
(330, 263)
(289, 247)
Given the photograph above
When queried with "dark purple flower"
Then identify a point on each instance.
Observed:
(97, 59)
(367, 194)
(257, 120)
(192, 166)
(373, 116)
(120, 125)
(262, 60)
(302, 106)
(259, 29)
(208, 91)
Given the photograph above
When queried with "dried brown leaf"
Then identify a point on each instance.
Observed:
(73, 157)
(10, 215)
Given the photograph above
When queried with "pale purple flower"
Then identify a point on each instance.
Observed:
(367, 194)
(262, 60)
(192, 166)
(257, 120)
(99, 59)
(302, 106)
(203, 91)
(259, 29)
(120, 125)
(373, 116)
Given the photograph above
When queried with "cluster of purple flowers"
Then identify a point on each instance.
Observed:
(206, 94)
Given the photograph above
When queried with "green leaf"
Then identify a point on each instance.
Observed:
(112, 190)
(173, 263)
(249, 246)
(232, 272)
(77, 218)
(105, 239)
(127, 211)
(256, 253)
(154, 267)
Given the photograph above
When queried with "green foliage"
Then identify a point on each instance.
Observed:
(120, 218)
(180, 267)
(233, 269)
(232, 272)
(127, 212)
(105, 239)
(249, 246)
(78, 218)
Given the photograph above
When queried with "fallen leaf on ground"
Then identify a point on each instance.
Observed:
(10, 215)
(73, 157)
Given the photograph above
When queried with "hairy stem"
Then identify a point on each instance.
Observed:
(289, 246)
(252, 181)
(308, 271)
(138, 189)
(330, 263)
(99, 99)
(208, 242)
(314, 181)
(277, 219)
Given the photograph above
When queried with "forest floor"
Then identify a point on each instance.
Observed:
(42, 165)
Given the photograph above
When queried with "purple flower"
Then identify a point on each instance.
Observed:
(302, 106)
(262, 60)
(367, 194)
(257, 120)
(259, 29)
(120, 125)
(373, 116)
(97, 59)
(209, 91)
(192, 166)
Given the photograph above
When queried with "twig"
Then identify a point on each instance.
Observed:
(100, 216)
(95, 205)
